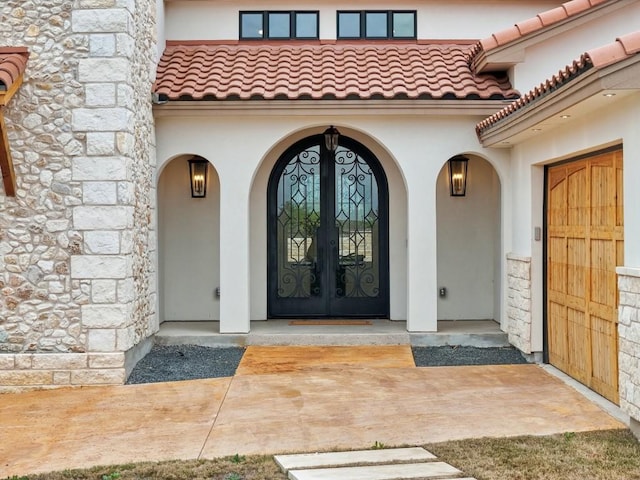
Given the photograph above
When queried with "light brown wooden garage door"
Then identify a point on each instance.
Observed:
(584, 246)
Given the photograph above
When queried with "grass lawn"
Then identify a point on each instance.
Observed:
(605, 455)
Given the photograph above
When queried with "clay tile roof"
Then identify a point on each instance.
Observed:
(537, 23)
(624, 47)
(335, 71)
(13, 61)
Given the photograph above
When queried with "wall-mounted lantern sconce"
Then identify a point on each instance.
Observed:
(331, 136)
(458, 175)
(198, 175)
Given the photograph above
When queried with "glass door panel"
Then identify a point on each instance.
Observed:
(298, 221)
(327, 233)
(356, 219)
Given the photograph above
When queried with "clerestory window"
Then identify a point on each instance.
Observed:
(377, 24)
(279, 25)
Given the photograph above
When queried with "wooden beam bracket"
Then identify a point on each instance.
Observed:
(6, 162)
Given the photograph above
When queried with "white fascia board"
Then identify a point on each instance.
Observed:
(622, 76)
(335, 107)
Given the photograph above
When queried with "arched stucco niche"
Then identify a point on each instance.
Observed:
(469, 244)
(397, 219)
(188, 245)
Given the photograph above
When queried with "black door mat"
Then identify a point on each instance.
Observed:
(458, 356)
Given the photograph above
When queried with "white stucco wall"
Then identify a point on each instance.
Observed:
(545, 59)
(160, 26)
(244, 147)
(468, 233)
(617, 124)
(189, 245)
(200, 20)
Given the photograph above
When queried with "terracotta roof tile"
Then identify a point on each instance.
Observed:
(577, 6)
(554, 15)
(528, 26)
(13, 61)
(622, 48)
(534, 24)
(630, 42)
(598, 58)
(335, 71)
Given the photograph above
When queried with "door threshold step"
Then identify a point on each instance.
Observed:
(471, 333)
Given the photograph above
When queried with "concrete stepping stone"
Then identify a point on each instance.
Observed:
(404, 471)
(357, 457)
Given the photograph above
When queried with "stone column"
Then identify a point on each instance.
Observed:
(629, 344)
(76, 243)
(519, 301)
(115, 172)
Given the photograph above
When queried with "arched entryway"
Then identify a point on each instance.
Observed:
(328, 234)
(189, 245)
(469, 244)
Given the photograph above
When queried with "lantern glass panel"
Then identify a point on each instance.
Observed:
(458, 176)
(331, 137)
(198, 174)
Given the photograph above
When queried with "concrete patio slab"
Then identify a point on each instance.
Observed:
(51, 430)
(347, 407)
(263, 360)
(353, 408)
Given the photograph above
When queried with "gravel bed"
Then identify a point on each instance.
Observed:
(170, 363)
(457, 356)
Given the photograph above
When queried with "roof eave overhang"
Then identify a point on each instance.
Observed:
(503, 57)
(498, 60)
(332, 107)
(586, 90)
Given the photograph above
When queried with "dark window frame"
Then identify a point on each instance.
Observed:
(267, 23)
(360, 22)
(415, 25)
(363, 25)
(294, 22)
(240, 30)
(293, 34)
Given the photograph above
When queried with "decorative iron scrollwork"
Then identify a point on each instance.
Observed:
(298, 220)
(356, 217)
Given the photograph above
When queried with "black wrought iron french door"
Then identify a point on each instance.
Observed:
(328, 232)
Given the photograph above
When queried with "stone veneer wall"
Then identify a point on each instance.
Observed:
(629, 343)
(77, 243)
(519, 301)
